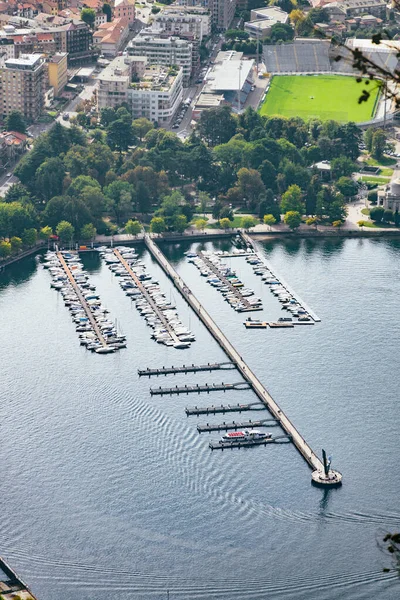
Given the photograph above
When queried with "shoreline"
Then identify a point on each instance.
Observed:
(198, 237)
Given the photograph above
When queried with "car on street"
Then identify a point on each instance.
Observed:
(9, 175)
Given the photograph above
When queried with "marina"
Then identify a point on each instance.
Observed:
(96, 332)
(224, 279)
(190, 389)
(186, 369)
(149, 300)
(273, 275)
(207, 428)
(321, 475)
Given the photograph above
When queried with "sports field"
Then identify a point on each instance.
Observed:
(319, 96)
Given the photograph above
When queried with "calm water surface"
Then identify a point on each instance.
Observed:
(109, 492)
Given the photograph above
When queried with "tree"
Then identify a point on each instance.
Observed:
(65, 231)
(157, 225)
(368, 135)
(361, 224)
(107, 11)
(376, 214)
(5, 249)
(16, 243)
(342, 167)
(297, 17)
(88, 15)
(346, 186)
(15, 122)
(107, 116)
(201, 224)
(217, 125)
(291, 200)
(17, 193)
(180, 223)
(268, 174)
(141, 126)
(378, 143)
(225, 223)
(388, 215)
(88, 232)
(29, 237)
(119, 135)
(248, 221)
(204, 201)
(312, 221)
(49, 178)
(250, 185)
(133, 227)
(293, 219)
(391, 547)
(269, 220)
(45, 233)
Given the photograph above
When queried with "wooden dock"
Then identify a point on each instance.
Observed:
(299, 442)
(148, 297)
(82, 300)
(248, 307)
(213, 410)
(207, 428)
(247, 444)
(190, 389)
(252, 244)
(187, 369)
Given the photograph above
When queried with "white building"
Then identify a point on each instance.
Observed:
(165, 51)
(390, 198)
(222, 11)
(157, 95)
(262, 19)
(231, 76)
(184, 20)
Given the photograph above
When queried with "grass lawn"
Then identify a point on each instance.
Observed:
(386, 172)
(237, 222)
(319, 96)
(371, 179)
(365, 211)
(385, 161)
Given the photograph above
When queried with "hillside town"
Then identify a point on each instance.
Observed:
(206, 76)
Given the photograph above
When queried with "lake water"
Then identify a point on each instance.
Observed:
(109, 492)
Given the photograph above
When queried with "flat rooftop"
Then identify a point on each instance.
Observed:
(230, 75)
(25, 60)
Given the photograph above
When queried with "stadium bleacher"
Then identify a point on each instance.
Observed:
(318, 56)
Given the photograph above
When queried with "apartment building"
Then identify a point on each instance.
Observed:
(125, 9)
(114, 82)
(22, 85)
(158, 94)
(57, 72)
(164, 51)
(222, 11)
(195, 21)
(111, 37)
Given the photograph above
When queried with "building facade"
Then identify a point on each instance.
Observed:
(157, 95)
(58, 73)
(22, 86)
(390, 197)
(165, 51)
(184, 20)
(125, 9)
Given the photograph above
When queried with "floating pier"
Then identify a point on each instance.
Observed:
(319, 476)
(190, 389)
(213, 410)
(249, 242)
(148, 297)
(82, 300)
(207, 428)
(246, 444)
(225, 366)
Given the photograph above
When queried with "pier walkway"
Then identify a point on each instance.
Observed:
(191, 389)
(148, 297)
(82, 300)
(300, 443)
(214, 410)
(247, 239)
(207, 428)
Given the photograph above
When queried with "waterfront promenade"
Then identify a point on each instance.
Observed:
(300, 443)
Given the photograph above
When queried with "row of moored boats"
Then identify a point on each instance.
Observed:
(225, 280)
(287, 300)
(109, 340)
(159, 313)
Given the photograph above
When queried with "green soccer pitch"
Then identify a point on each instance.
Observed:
(320, 97)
